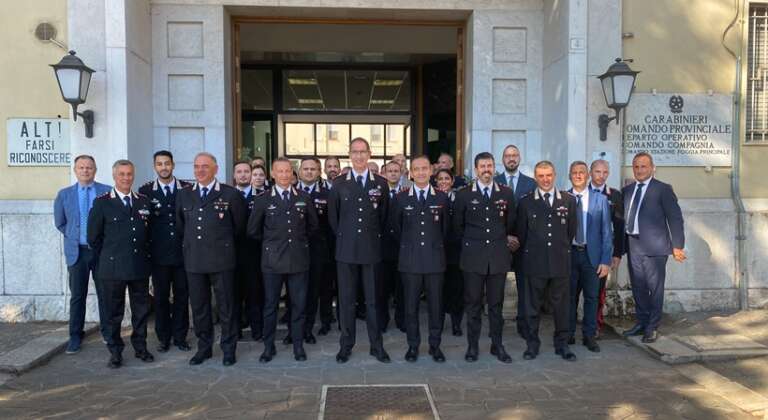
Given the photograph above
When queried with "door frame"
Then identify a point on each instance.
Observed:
(460, 26)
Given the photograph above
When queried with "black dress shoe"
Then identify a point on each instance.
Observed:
(288, 339)
(591, 344)
(650, 336)
(115, 361)
(380, 355)
(183, 346)
(309, 338)
(412, 354)
(471, 355)
(267, 355)
(163, 347)
(324, 330)
(501, 353)
(145, 356)
(343, 356)
(299, 354)
(229, 360)
(199, 358)
(457, 331)
(437, 354)
(530, 353)
(636, 330)
(566, 354)
(571, 341)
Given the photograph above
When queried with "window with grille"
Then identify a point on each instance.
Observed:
(757, 60)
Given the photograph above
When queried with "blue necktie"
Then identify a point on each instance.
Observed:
(127, 201)
(167, 191)
(512, 184)
(580, 217)
(360, 181)
(285, 196)
(84, 209)
(546, 200)
(633, 210)
(205, 192)
(486, 194)
(422, 199)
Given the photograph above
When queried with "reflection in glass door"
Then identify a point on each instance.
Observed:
(257, 138)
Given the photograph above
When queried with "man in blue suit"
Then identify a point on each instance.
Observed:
(654, 230)
(520, 185)
(70, 215)
(591, 251)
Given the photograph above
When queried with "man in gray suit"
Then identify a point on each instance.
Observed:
(70, 215)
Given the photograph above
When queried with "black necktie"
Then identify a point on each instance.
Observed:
(167, 191)
(422, 199)
(546, 199)
(127, 201)
(285, 195)
(360, 181)
(205, 192)
(486, 194)
(580, 217)
(392, 193)
(633, 210)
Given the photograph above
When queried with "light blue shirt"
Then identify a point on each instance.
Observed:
(512, 179)
(85, 197)
(584, 212)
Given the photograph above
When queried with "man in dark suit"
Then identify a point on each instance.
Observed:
(283, 221)
(249, 288)
(546, 227)
(654, 228)
(70, 215)
(520, 184)
(210, 216)
(590, 253)
(598, 173)
(118, 232)
(320, 287)
(484, 219)
(419, 220)
(357, 209)
(171, 318)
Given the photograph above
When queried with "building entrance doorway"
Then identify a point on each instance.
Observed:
(307, 88)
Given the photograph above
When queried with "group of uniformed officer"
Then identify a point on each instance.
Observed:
(248, 245)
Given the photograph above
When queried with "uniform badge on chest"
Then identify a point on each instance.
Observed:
(374, 195)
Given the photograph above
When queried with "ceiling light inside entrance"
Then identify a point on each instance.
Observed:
(304, 101)
(382, 101)
(302, 81)
(387, 82)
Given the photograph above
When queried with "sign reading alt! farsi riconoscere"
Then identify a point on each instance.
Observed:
(680, 130)
(38, 142)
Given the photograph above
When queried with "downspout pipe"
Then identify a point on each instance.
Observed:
(740, 271)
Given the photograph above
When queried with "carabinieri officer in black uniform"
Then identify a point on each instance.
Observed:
(171, 319)
(357, 209)
(546, 226)
(118, 233)
(283, 220)
(211, 215)
(484, 219)
(419, 219)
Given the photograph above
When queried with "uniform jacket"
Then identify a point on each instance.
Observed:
(66, 217)
(248, 250)
(483, 226)
(421, 230)
(660, 220)
(599, 233)
(165, 243)
(284, 230)
(452, 241)
(320, 246)
(119, 237)
(358, 218)
(210, 226)
(546, 234)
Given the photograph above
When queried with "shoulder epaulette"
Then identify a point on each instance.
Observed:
(104, 195)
